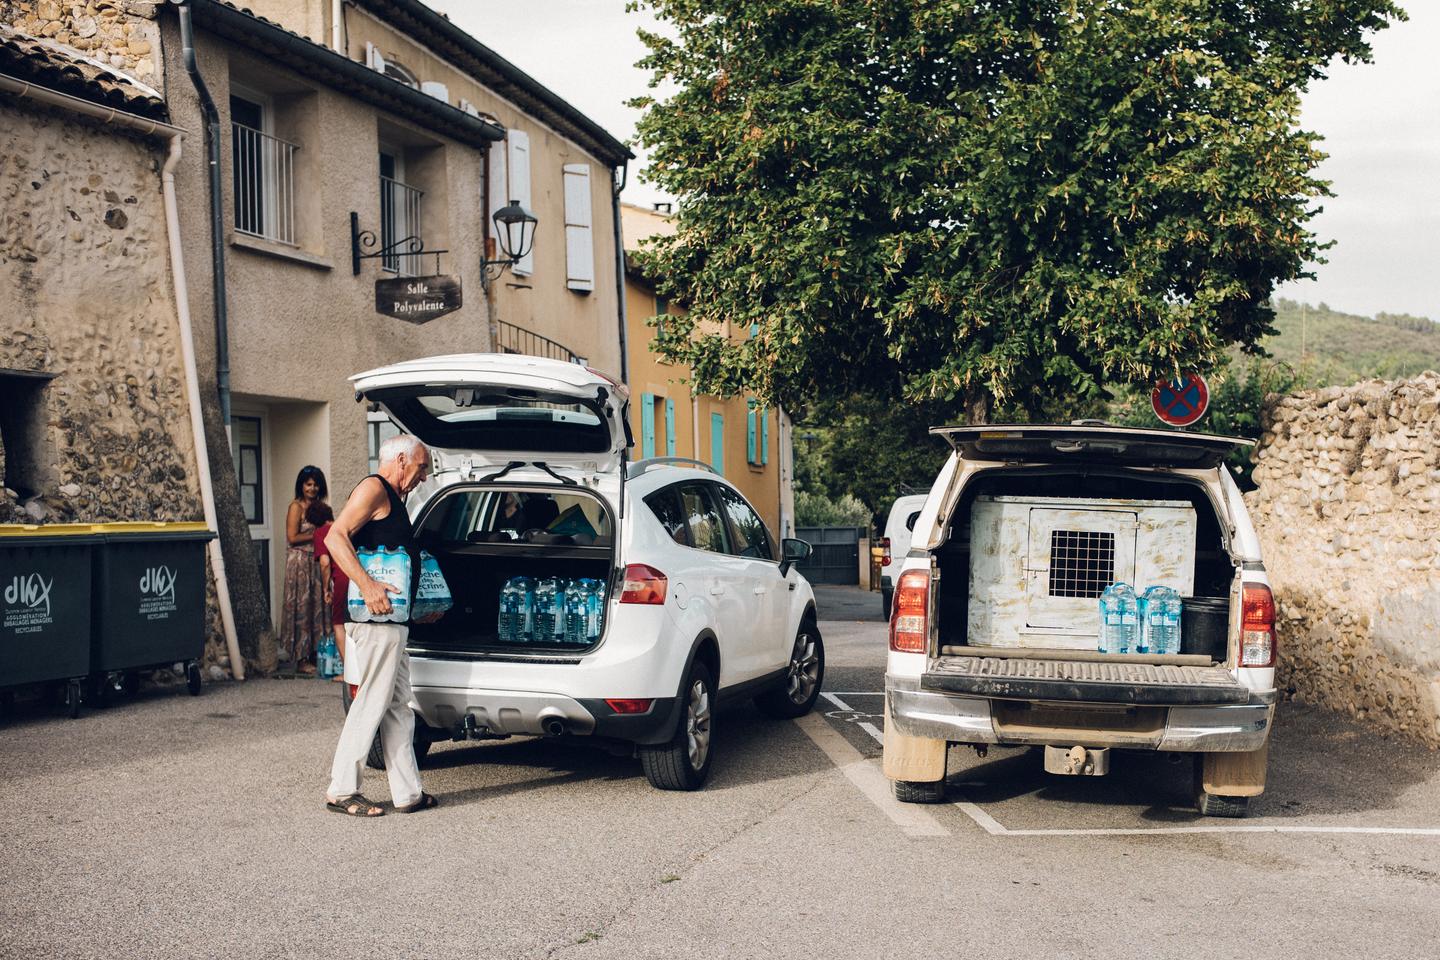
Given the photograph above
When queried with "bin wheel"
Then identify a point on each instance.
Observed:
(72, 698)
(192, 679)
(130, 683)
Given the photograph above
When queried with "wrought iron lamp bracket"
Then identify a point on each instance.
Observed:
(367, 240)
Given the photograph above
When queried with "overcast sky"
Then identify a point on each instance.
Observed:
(1381, 123)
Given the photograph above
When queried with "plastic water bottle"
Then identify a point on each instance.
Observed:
(516, 610)
(1173, 609)
(595, 609)
(550, 610)
(327, 658)
(577, 611)
(1119, 616)
(1152, 614)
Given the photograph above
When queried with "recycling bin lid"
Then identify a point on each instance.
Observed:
(122, 530)
(12, 534)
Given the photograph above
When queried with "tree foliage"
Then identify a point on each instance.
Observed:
(1011, 199)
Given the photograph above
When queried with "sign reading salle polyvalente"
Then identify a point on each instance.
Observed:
(417, 299)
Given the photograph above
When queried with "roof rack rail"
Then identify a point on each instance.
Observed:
(641, 466)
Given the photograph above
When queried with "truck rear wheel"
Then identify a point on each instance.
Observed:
(1215, 804)
(911, 791)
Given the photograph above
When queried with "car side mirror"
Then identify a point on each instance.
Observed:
(792, 551)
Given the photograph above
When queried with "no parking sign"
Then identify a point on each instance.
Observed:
(1181, 402)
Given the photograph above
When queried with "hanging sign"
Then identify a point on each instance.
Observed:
(1181, 402)
(417, 299)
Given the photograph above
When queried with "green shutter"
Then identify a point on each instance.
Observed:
(750, 454)
(717, 442)
(647, 426)
(669, 427)
(764, 435)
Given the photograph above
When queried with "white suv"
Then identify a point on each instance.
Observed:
(530, 479)
(899, 526)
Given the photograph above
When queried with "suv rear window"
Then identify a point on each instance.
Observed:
(509, 516)
(472, 418)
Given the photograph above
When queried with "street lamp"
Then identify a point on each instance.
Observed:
(515, 233)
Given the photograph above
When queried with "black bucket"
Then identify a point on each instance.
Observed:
(1205, 626)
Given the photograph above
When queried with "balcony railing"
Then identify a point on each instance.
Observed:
(513, 339)
(264, 184)
(400, 219)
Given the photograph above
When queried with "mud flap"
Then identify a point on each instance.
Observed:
(1235, 774)
(917, 759)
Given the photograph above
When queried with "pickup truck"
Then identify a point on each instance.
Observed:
(995, 618)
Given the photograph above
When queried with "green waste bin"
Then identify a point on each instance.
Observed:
(149, 597)
(45, 583)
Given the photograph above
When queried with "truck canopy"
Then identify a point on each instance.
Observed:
(1094, 443)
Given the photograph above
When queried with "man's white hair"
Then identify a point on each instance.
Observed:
(392, 447)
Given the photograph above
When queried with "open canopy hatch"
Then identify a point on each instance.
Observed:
(1094, 443)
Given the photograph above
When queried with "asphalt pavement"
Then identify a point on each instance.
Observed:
(171, 826)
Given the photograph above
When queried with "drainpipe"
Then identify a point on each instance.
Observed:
(217, 216)
(620, 270)
(174, 135)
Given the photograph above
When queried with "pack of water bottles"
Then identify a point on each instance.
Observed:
(432, 593)
(327, 658)
(551, 610)
(1148, 623)
(385, 565)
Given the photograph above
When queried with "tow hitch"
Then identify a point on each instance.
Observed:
(1077, 761)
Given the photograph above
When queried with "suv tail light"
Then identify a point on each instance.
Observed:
(643, 584)
(885, 543)
(909, 627)
(1257, 626)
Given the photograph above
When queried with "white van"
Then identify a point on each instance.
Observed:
(529, 479)
(993, 637)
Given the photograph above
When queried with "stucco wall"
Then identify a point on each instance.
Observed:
(85, 295)
(1348, 510)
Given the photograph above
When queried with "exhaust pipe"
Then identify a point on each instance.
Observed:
(553, 726)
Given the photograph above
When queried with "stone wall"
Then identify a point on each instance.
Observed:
(120, 34)
(1348, 510)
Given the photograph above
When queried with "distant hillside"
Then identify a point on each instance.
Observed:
(1342, 347)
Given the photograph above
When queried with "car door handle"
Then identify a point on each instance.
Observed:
(759, 591)
(717, 590)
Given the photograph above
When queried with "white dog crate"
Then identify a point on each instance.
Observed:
(1039, 564)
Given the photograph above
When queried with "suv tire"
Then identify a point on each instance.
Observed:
(804, 674)
(375, 758)
(886, 598)
(684, 762)
(913, 791)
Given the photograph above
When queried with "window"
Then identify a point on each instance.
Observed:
(262, 169)
(23, 431)
(705, 527)
(717, 442)
(748, 536)
(518, 516)
(1082, 563)
(665, 504)
(380, 428)
(246, 448)
(399, 214)
(579, 245)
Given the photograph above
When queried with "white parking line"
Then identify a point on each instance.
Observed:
(994, 827)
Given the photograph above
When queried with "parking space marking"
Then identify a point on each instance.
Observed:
(995, 828)
(915, 822)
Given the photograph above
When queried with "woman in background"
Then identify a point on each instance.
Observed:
(304, 613)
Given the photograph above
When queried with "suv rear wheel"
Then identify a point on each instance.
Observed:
(684, 762)
(375, 759)
(806, 671)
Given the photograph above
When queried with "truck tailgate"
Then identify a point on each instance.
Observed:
(1027, 678)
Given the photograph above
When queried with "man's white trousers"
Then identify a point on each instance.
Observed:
(376, 660)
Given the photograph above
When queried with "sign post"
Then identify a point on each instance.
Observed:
(1182, 401)
(417, 299)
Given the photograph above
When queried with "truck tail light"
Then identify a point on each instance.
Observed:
(885, 544)
(909, 627)
(643, 584)
(1257, 626)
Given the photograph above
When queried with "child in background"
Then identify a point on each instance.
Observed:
(337, 585)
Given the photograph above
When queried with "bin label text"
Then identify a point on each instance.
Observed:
(157, 593)
(27, 603)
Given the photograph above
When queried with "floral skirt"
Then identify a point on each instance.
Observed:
(304, 616)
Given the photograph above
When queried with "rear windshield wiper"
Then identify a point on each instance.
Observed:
(528, 463)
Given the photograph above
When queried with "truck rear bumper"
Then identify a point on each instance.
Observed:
(1220, 728)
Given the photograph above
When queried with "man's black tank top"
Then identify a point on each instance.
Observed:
(392, 530)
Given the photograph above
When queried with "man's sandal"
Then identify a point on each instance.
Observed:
(425, 802)
(355, 806)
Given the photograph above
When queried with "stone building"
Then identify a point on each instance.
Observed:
(747, 443)
(1348, 510)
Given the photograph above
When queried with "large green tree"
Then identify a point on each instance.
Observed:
(1000, 201)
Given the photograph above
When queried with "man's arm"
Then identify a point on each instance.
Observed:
(360, 509)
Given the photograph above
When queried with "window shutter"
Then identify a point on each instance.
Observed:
(373, 59)
(579, 245)
(717, 442)
(436, 89)
(520, 189)
(750, 453)
(669, 427)
(497, 187)
(647, 426)
(764, 435)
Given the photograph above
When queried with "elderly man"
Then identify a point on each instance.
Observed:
(374, 517)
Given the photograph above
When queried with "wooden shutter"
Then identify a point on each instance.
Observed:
(751, 455)
(717, 442)
(764, 435)
(520, 190)
(579, 244)
(647, 426)
(669, 427)
(373, 59)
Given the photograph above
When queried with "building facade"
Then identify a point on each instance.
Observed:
(747, 443)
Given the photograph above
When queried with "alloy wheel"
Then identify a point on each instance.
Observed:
(697, 725)
(804, 668)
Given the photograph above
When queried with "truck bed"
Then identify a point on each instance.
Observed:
(1083, 681)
